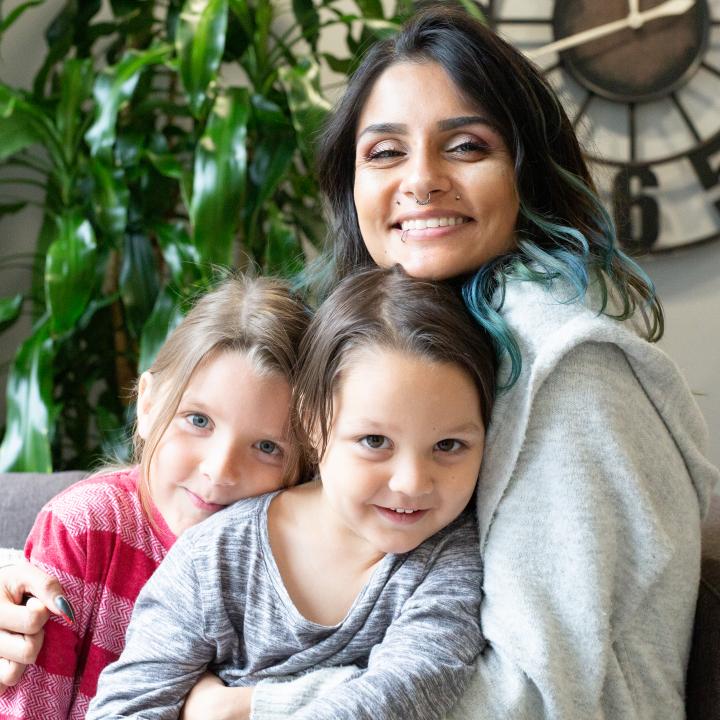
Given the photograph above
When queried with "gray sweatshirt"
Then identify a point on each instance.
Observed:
(590, 498)
(218, 601)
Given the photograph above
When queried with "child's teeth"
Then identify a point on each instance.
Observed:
(403, 510)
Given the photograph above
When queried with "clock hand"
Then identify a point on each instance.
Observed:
(666, 9)
(634, 14)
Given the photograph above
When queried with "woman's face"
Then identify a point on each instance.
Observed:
(418, 138)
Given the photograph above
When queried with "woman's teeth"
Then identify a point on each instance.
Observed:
(432, 223)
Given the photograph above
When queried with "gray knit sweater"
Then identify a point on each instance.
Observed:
(218, 600)
(590, 500)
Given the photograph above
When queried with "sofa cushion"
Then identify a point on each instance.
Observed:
(21, 497)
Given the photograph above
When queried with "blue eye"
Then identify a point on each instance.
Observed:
(268, 447)
(375, 442)
(199, 420)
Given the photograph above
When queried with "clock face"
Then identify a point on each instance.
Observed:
(644, 101)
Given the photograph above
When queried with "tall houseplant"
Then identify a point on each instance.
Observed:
(155, 168)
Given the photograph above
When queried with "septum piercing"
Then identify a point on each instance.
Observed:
(424, 202)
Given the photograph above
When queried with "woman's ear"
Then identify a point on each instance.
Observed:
(144, 405)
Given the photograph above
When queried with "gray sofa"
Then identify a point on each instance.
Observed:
(23, 494)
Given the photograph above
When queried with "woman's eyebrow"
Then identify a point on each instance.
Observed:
(444, 125)
(457, 122)
(378, 128)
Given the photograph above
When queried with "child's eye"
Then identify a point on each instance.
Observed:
(268, 447)
(448, 445)
(375, 442)
(199, 420)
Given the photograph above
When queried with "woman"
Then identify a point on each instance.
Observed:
(450, 155)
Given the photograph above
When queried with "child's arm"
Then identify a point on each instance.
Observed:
(423, 664)
(166, 646)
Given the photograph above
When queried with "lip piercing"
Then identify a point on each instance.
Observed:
(422, 202)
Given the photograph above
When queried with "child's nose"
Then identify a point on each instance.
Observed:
(412, 477)
(221, 465)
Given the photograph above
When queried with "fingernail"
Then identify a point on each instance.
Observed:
(63, 605)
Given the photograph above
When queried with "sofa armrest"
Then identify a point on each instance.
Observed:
(703, 679)
(22, 495)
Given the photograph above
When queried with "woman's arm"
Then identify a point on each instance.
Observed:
(21, 625)
(46, 688)
(591, 561)
(425, 659)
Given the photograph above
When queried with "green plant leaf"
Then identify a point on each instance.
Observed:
(307, 105)
(24, 122)
(70, 270)
(114, 87)
(11, 207)
(474, 10)
(138, 281)
(26, 444)
(370, 8)
(16, 13)
(284, 255)
(180, 255)
(200, 42)
(111, 198)
(75, 87)
(219, 178)
(9, 310)
(166, 316)
(309, 20)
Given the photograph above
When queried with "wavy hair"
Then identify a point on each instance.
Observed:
(563, 232)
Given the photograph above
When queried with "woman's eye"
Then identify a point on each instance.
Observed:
(268, 447)
(468, 147)
(448, 445)
(199, 420)
(382, 151)
(375, 442)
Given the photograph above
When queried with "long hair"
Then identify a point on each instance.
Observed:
(563, 231)
(388, 309)
(259, 317)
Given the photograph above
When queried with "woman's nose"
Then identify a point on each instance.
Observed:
(424, 176)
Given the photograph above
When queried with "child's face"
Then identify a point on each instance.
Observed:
(227, 440)
(407, 434)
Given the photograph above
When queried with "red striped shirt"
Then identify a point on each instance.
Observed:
(96, 539)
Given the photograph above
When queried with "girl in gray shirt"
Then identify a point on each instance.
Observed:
(371, 563)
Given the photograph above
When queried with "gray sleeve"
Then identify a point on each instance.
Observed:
(166, 649)
(423, 663)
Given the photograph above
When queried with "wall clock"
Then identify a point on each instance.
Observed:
(640, 80)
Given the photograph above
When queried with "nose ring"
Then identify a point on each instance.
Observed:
(422, 202)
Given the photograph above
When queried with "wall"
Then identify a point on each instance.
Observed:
(688, 281)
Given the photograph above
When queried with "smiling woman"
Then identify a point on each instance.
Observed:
(436, 195)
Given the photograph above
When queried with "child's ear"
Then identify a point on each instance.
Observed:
(144, 405)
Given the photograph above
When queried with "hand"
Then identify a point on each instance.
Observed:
(21, 626)
(210, 699)
(634, 19)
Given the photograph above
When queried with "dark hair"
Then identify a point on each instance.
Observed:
(385, 308)
(563, 231)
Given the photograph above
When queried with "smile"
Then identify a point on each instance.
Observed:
(401, 516)
(433, 222)
(202, 504)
